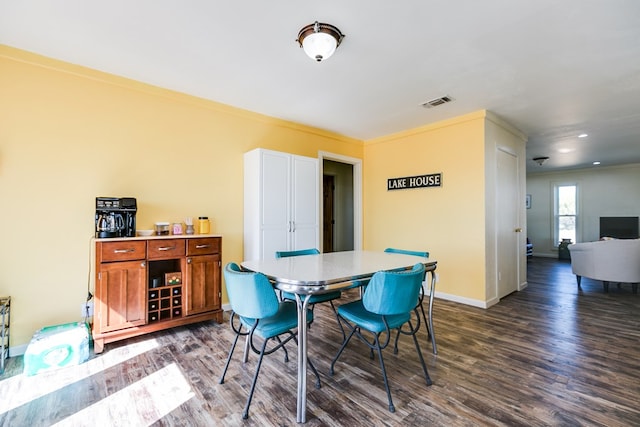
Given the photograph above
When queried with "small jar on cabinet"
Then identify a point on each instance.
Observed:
(204, 225)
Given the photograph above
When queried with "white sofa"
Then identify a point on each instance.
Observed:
(614, 260)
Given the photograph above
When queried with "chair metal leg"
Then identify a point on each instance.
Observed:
(427, 323)
(315, 371)
(344, 345)
(226, 366)
(335, 312)
(384, 375)
(245, 413)
(286, 353)
(424, 366)
(395, 344)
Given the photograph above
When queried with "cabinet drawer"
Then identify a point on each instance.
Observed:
(204, 246)
(169, 248)
(122, 250)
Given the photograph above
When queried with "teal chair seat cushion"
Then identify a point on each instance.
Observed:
(313, 299)
(355, 313)
(285, 319)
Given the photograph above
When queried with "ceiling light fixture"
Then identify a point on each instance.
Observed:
(583, 135)
(319, 40)
(540, 160)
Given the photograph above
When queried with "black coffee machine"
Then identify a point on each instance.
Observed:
(115, 217)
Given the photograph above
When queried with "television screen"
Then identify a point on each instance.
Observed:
(619, 227)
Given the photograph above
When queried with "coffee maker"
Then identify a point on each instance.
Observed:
(115, 217)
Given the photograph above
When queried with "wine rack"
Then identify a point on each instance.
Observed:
(164, 303)
(5, 313)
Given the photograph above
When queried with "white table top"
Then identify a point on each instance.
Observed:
(310, 274)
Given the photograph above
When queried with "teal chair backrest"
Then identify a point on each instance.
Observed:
(284, 254)
(406, 252)
(250, 294)
(394, 292)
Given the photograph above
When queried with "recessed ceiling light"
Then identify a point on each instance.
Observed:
(565, 150)
(583, 135)
(596, 163)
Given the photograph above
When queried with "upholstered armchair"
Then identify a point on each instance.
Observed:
(611, 261)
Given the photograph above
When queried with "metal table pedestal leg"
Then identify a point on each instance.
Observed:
(431, 328)
(302, 359)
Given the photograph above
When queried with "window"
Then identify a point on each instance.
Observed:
(566, 212)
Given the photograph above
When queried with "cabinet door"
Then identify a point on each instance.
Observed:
(304, 207)
(202, 284)
(120, 295)
(275, 218)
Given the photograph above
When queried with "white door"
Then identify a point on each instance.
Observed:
(507, 227)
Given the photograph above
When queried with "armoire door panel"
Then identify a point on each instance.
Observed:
(281, 203)
(275, 182)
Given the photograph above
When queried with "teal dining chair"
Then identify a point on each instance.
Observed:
(256, 312)
(428, 322)
(387, 304)
(313, 299)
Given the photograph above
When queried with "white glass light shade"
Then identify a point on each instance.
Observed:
(319, 40)
(319, 46)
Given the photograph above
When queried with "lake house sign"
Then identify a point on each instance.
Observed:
(420, 181)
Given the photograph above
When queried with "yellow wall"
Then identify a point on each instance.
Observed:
(447, 221)
(69, 134)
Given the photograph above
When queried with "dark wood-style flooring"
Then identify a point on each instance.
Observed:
(551, 355)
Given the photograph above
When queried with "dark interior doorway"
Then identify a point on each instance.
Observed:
(338, 212)
(328, 188)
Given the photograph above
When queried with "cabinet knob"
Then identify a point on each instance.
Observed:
(143, 264)
(188, 260)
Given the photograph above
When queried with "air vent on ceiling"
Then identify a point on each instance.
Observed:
(437, 101)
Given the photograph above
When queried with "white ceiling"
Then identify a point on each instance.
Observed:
(553, 69)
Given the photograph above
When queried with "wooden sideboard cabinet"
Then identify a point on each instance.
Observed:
(146, 284)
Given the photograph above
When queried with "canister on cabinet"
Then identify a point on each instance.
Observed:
(177, 228)
(204, 225)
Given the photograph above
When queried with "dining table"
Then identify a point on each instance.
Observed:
(326, 272)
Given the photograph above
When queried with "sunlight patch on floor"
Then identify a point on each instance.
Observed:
(139, 404)
(22, 389)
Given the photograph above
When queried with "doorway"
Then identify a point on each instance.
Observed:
(328, 220)
(341, 207)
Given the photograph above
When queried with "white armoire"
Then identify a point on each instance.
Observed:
(281, 196)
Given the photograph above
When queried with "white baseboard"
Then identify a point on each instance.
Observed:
(18, 350)
(463, 300)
